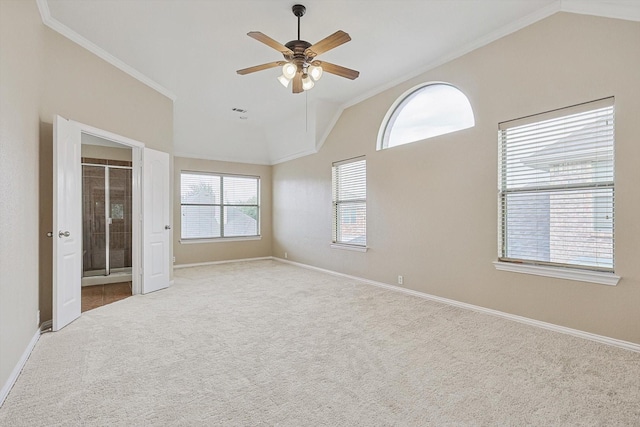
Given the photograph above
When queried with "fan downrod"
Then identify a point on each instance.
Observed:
(298, 46)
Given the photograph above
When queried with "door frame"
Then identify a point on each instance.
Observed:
(136, 196)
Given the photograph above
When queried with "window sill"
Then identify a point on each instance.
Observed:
(219, 240)
(349, 247)
(599, 277)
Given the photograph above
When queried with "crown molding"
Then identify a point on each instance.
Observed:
(293, 156)
(478, 43)
(327, 131)
(57, 26)
(627, 10)
(617, 9)
(608, 9)
(226, 159)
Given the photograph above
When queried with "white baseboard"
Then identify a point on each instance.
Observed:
(199, 264)
(6, 388)
(532, 322)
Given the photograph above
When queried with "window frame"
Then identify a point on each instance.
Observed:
(396, 108)
(566, 270)
(337, 202)
(222, 206)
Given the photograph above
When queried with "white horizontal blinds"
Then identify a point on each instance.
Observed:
(556, 179)
(214, 206)
(200, 199)
(350, 202)
(241, 206)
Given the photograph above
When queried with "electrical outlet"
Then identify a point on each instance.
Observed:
(400, 280)
(174, 260)
(285, 255)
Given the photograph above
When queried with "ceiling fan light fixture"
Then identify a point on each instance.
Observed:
(315, 72)
(284, 80)
(307, 83)
(289, 70)
(300, 57)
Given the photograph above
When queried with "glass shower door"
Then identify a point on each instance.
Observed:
(93, 221)
(120, 220)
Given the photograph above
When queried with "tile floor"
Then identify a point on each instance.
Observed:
(99, 295)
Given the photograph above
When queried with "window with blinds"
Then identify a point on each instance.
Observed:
(219, 206)
(349, 182)
(556, 187)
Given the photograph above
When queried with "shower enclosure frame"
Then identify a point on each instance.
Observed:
(136, 196)
(107, 213)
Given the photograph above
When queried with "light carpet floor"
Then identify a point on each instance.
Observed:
(267, 343)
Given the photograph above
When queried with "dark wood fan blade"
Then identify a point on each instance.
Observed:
(270, 42)
(337, 69)
(297, 82)
(328, 43)
(260, 67)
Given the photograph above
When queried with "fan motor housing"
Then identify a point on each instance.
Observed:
(298, 47)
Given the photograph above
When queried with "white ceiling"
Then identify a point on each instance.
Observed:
(190, 50)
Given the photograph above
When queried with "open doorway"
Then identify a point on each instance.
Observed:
(107, 226)
(150, 226)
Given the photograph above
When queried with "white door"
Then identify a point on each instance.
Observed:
(156, 214)
(67, 222)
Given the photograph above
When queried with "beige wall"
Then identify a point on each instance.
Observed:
(80, 86)
(219, 251)
(432, 205)
(20, 64)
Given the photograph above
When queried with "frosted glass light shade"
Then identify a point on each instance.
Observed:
(289, 70)
(284, 80)
(307, 83)
(315, 72)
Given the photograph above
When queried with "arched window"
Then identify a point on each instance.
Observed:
(427, 110)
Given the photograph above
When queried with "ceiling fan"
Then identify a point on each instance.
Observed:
(300, 64)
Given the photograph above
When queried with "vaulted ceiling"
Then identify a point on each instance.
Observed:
(190, 51)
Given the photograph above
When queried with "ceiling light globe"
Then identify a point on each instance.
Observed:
(289, 70)
(284, 81)
(315, 72)
(307, 83)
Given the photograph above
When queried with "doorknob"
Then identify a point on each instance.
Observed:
(49, 233)
(167, 227)
(64, 234)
